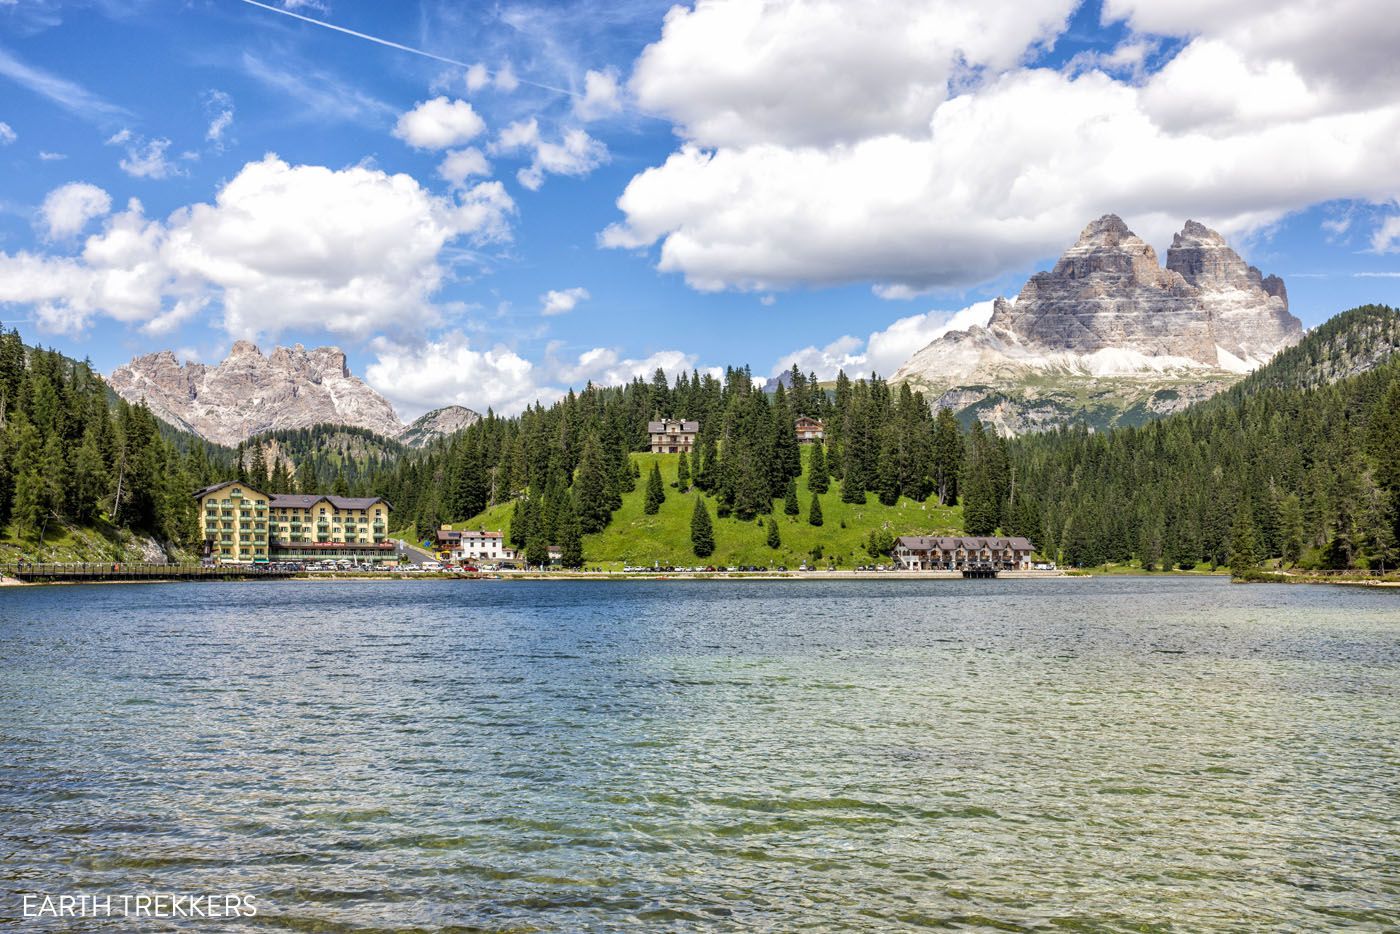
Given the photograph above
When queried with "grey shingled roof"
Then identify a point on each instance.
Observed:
(971, 543)
(656, 428)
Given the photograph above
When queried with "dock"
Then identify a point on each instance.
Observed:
(123, 571)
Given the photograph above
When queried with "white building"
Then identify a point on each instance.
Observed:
(475, 544)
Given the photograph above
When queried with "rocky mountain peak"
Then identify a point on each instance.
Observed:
(249, 393)
(1108, 309)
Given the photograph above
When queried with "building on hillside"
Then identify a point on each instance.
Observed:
(242, 525)
(474, 545)
(670, 436)
(810, 430)
(920, 553)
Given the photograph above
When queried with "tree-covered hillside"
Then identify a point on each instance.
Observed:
(1286, 465)
(848, 534)
(75, 458)
(565, 471)
(340, 459)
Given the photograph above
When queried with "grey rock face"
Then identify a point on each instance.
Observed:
(1248, 314)
(1108, 311)
(250, 393)
(439, 423)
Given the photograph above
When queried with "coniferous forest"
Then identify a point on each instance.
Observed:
(1299, 462)
(73, 454)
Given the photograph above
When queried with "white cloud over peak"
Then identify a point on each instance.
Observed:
(844, 353)
(67, 209)
(447, 370)
(350, 251)
(576, 153)
(883, 351)
(905, 143)
(439, 123)
(562, 301)
(886, 350)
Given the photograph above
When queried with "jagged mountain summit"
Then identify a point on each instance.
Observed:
(439, 423)
(250, 393)
(1111, 336)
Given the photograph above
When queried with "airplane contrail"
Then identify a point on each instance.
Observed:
(395, 45)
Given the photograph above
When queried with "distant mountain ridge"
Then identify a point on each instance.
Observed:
(250, 394)
(1109, 336)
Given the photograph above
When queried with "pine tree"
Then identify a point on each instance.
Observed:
(656, 491)
(537, 551)
(851, 491)
(814, 512)
(1290, 522)
(790, 504)
(591, 498)
(570, 537)
(702, 534)
(1243, 554)
(775, 541)
(946, 465)
(90, 480)
(818, 480)
(683, 473)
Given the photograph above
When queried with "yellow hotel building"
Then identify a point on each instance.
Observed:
(242, 525)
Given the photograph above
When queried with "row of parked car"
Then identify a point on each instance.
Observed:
(711, 569)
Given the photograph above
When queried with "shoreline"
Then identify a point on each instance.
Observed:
(600, 576)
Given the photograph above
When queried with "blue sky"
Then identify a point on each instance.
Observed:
(737, 182)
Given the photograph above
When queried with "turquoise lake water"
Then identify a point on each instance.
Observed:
(1086, 755)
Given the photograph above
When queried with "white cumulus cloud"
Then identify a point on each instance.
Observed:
(907, 143)
(7, 134)
(351, 251)
(575, 153)
(601, 95)
(562, 301)
(439, 124)
(884, 350)
(145, 158)
(67, 209)
(461, 164)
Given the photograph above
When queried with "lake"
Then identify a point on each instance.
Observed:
(1119, 754)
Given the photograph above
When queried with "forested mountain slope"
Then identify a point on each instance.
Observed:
(84, 475)
(339, 459)
(1287, 465)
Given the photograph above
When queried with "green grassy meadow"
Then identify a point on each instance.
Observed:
(634, 538)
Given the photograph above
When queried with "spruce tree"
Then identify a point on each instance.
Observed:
(818, 480)
(775, 540)
(1243, 555)
(570, 537)
(851, 491)
(537, 551)
(683, 473)
(1290, 522)
(656, 491)
(591, 501)
(702, 534)
(814, 512)
(790, 504)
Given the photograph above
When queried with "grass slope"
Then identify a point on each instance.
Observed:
(635, 538)
(65, 542)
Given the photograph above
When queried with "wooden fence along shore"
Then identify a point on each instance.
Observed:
(129, 571)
